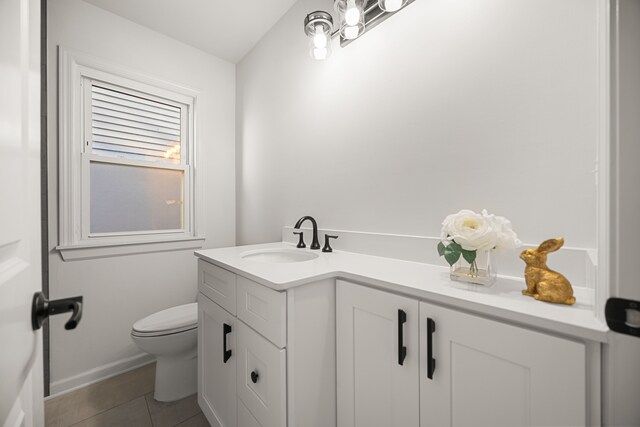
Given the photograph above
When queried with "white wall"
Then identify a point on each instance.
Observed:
(118, 291)
(449, 104)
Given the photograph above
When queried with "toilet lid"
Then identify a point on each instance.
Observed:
(171, 320)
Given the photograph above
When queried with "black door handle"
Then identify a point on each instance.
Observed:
(254, 376)
(226, 354)
(623, 316)
(402, 350)
(41, 308)
(431, 362)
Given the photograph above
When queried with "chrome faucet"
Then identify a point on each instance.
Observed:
(315, 244)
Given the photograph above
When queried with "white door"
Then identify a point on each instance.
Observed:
(217, 356)
(21, 383)
(487, 373)
(622, 353)
(377, 358)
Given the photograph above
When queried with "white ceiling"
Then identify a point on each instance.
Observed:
(227, 29)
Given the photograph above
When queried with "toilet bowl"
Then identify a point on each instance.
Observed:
(171, 336)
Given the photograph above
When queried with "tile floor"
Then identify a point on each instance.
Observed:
(122, 401)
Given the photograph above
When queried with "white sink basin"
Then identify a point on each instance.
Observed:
(278, 256)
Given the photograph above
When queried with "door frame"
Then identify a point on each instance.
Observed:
(44, 185)
(621, 353)
(603, 165)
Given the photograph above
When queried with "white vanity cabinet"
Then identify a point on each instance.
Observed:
(377, 358)
(241, 373)
(489, 373)
(483, 372)
(335, 353)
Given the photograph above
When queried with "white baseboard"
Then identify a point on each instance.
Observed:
(100, 373)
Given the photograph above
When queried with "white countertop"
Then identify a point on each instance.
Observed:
(503, 300)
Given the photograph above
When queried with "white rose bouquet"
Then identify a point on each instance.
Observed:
(466, 232)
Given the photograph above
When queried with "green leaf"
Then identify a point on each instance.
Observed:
(456, 247)
(451, 254)
(469, 256)
(441, 248)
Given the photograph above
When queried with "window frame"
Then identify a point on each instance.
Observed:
(77, 73)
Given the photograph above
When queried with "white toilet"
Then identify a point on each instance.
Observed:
(171, 335)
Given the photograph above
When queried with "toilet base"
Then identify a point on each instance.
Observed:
(175, 378)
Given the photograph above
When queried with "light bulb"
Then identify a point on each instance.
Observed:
(351, 33)
(320, 38)
(352, 15)
(390, 5)
(320, 53)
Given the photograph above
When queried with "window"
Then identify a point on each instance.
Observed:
(135, 159)
(127, 154)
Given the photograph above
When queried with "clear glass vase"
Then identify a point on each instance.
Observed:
(481, 271)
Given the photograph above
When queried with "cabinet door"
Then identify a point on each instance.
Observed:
(261, 378)
(216, 363)
(246, 418)
(488, 373)
(377, 385)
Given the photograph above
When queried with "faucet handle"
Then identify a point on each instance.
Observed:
(327, 246)
(301, 241)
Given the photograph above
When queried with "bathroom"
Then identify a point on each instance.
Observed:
(524, 108)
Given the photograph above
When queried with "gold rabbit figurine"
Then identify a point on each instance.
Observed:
(543, 283)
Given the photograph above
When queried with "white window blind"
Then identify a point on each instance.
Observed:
(132, 127)
(136, 168)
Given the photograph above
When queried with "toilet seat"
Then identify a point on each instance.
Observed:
(167, 322)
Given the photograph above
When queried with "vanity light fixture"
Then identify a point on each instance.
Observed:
(351, 17)
(355, 17)
(318, 26)
(391, 5)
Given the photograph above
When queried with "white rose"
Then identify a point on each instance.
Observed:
(446, 226)
(470, 230)
(507, 239)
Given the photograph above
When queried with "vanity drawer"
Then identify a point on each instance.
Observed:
(261, 381)
(218, 284)
(264, 309)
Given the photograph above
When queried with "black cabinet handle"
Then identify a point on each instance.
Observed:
(254, 376)
(431, 362)
(226, 354)
(402, 350)
(41, 308)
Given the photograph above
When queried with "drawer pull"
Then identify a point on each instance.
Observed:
(226, 354)
(431, 362)
(254, 377)
(402, 350)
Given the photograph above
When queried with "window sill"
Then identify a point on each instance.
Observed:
(105, 250)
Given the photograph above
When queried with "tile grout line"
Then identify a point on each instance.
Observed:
(113, 407)
(146, 402)
(107, 410)
(184, 421)
(96, 414)
(62, 398)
